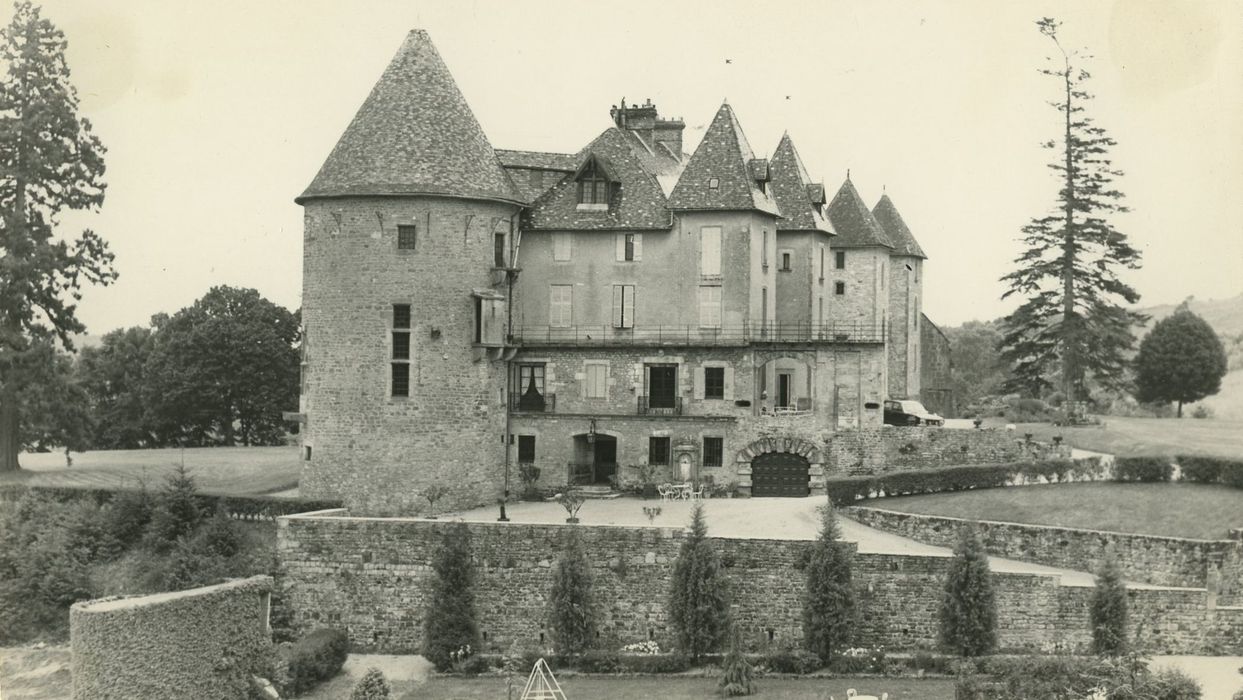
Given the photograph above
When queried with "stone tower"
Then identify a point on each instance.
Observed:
(905, 302)
(407, 240)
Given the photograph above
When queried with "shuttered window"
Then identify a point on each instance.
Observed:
(710, 307)
(596, 377)
(710, 251)
(561, 243)
(714, 382)
(623, 306)
(560, 306)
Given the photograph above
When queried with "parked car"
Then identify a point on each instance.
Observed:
(910, 413)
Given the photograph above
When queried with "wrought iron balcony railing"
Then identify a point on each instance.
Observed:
(531, 402)
(660, 406)
(746, 334)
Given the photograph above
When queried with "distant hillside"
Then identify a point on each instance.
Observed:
(1224, 315)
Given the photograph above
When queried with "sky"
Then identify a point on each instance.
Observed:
(217, 114)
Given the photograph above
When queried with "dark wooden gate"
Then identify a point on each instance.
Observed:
(779, 474)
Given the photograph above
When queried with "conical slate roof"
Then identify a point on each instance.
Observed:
(904, 242)
(413, 135)
(725, 156)
(790, 187)
(855, 225)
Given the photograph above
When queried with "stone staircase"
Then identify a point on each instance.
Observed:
(594, 491)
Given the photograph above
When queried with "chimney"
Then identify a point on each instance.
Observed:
(641, 119)
(669, 132)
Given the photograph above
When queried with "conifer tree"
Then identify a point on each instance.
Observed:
(698, 601)
(571, 612)
(1072, 322)
(829, 614)
(737, 676)
(1181, 360)
(1108, 610)
(50, 162)
(449, 625)
(372, 686)
(968, 613)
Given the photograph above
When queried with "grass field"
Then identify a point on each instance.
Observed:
(1197, 511)
(1147, 436)
(222, 470)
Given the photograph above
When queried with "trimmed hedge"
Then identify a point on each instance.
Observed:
(238, 507)
(1212, 470)
(1147, 469)
(315, 658)
(980, 476)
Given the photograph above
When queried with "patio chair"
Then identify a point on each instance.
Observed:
(696, 494)
(665, 491)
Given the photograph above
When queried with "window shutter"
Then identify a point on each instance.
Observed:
(729, 383)
(699, 382)
(617, 305)
(628, 305)
(620, 241)
(638, 246)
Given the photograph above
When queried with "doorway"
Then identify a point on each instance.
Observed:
(784, 381)
(662, 386)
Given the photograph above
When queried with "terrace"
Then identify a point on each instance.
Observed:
(692, 335)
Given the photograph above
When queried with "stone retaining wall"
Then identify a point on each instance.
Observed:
(369, 575)
(893, 449)
(1163, 561)
(201, 643)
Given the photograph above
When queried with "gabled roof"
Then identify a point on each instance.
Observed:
(793, 189)
(904, 242)
(637, 202)
(855, 225)
(536, 160)
(723, 155)
(414, 134)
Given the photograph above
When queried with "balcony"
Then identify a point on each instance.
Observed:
(530, 402)
(666, 406)
(746, 334)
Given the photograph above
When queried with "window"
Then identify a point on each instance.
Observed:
(839, 260)
(710, 307)
(658, 450)
(839, 288)
(407, 236)
(714, 382)
(489, 318)
(764, 251)
(593, 186)
(530, 389)
(400, 363)
(821, 316)
(306, 450)
(714, 451)
(561, 243)
(714, 183)
(596, 378)
(710, 251)
(623, 306)
(821, 262)
(787, 263)
(526, 448)
(498, 250)
(629, 247)
(560, 306)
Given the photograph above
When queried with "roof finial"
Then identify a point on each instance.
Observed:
(884, 188)
(847, 174)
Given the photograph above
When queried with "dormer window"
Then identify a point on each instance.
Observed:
(714, 183)
(596, 183)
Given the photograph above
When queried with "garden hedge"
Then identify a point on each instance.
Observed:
(239, 507)
(980, 476)
(1148, 469)
(312, 659)
(1212, 470)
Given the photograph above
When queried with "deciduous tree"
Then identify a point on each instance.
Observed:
(1180, 360)
(1072, 322)
(50, 162)
(113, 375)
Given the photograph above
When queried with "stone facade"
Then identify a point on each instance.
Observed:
(369, 575)
(905, 301)
(936, 370)
(1163, 561)
(885, 450)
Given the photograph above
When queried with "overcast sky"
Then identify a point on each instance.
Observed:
(217, 114)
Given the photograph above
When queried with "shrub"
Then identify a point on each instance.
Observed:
(571, 612)
(1201, 411)
(737, 676)
(698, 607)
(659, 663)
(1143, 469)
(316, 657)
(599, 661)
(1108, 610)
(176, 512)
(129, 513)
(1172, 684)
(372, 686)
(450, 623)
(968, 613)
(790, 660)
(829, 614)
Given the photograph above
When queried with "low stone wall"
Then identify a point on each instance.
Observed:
(893, 449)
(201, 643)
(370, 575)
(1162, 561)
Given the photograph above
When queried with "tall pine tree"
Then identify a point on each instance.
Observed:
(1108, 610)
(829, 615)
(1072, 323)
(450, 625)
(698, 603)
(968, 613)
(50, 162)
(571, 611)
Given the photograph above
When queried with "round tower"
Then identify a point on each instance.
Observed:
(905, 302)
(407, 233)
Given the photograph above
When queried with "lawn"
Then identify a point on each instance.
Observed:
(222, 470)
(1147, 436)
(1197, 511)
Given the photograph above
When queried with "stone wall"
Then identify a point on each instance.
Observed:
(201, 643)
(936, 370)
(1163, 561)
(885, 450)
(369, 575)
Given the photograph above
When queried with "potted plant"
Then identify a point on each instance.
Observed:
(571, 499)
(647, 477)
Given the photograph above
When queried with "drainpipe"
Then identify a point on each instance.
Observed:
(509, 327)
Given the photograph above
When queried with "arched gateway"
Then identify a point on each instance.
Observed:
(781, 467)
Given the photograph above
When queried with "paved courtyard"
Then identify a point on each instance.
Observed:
(751, 518)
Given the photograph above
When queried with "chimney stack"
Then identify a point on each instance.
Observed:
(646, 123)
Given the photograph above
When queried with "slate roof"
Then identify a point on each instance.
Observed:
(904, 242)
(855, 225)
(639, 202)
(723, 154)
(792, 188)
(537, 160)
(414, 134)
